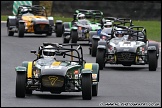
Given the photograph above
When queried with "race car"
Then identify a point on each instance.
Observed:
(109, 24)
(131, 49)
(79, 28)
(30, 19)
(58, 68)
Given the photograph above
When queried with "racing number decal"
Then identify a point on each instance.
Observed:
(88, 66)
(53, 79)
(29, 70)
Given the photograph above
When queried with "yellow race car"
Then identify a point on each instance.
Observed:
(30, 19)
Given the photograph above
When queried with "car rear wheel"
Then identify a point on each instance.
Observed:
(21, 30)
(59, 30)
(74, 36)
(100, 57)
(94, 47)
(152, 57)
(10, 33)
(95, 90)
(65, 40)
(87, 86)
(20, 84)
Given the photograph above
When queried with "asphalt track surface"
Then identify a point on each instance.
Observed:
(118, 86)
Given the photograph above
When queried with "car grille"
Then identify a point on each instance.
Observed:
(130, 57)
(41, 28)
(52, 81)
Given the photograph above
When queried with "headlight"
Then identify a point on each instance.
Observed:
(37, 73)
(140, 50)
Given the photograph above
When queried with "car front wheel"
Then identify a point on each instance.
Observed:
(100, 57)
(20, 85)
(87, 86)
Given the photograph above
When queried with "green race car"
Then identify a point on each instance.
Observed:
(80, 29)
(58, 68)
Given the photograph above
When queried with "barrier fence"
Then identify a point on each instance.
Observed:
(136, 10)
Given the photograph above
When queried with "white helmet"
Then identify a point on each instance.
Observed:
(108, 24)
(81, 16)
(24, 10)
(48, 51)
(119, 32)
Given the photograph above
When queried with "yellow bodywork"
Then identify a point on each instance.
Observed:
(88, 66)
(29, 24)
(29, 73)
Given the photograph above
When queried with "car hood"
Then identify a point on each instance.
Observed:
(49, 66)
(30, 18)
(127, 46)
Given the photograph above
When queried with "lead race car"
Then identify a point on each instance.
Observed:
(58, 68)
(131, 49)
(30, 19)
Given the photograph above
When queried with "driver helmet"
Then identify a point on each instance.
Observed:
(48, 51)
(81, 16)
(119, 33)
(24, 10)
(108, 24)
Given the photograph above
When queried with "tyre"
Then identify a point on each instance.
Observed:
(94, 47)
(90, 51)
(100, 57)
(59, 30)
(87, 86)
(21, 30)
(95, 90)
(91, 33)
(157, 49)
(65, 40)
(74, 36)
(10, 33)
(152, 58)
(20, 85)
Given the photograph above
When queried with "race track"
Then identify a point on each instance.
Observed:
(119, 85)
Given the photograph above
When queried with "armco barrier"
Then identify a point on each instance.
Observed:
(136, 10)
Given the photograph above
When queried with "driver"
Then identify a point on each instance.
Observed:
(119, 33)
(24, 10)
(80, 16)
(48, 51)
(108, 25)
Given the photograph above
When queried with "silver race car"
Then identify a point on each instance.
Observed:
(132, 48)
